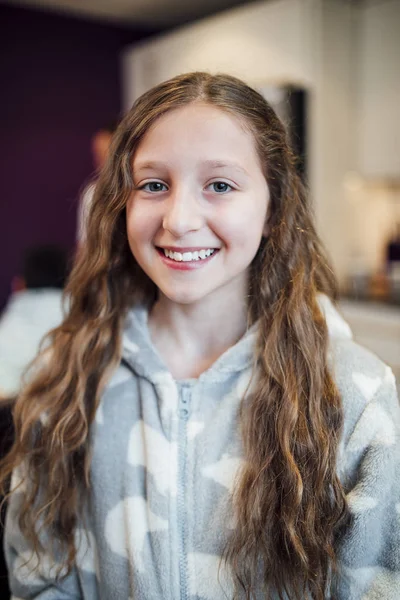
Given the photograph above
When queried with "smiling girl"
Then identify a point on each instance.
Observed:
(202, 425)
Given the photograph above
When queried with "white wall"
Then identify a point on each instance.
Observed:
(379, 89)
(373, 205)
(260, 43)
(333, 127)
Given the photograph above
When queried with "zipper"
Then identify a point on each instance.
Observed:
(183, 412)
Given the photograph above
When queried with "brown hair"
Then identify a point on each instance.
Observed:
(289, 501)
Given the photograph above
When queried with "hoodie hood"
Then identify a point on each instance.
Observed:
(142, 357)
(338, 329)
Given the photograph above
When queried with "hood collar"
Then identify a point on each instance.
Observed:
(140, 354)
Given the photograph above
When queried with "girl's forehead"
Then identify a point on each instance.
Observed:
(197, 127)
(203, 111)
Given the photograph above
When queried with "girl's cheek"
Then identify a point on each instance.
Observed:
(232, 225)
(137, 214)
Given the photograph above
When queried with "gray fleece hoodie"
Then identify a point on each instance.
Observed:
(165, 455)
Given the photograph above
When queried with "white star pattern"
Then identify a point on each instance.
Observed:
(337, 326)
(360, 503)
(207, 579)
(224, 471)
(129, 345)
(87, 557)
(44, 418)
(368, 386)
(127, 526)
(242, 388)
(375, 425)
(377, 580)
(194, 428)
(389, 376)
(149, 448)
(26, 571)
(168, 391)
(18, 480)
(100, 414)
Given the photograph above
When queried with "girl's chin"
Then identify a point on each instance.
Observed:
(185, 297)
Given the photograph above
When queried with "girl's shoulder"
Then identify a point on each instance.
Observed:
(366, 384)
(368, 391)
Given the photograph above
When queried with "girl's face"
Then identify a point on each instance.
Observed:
(198, 212)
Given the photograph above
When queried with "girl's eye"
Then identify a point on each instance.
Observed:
(220, 187)
(153, 186)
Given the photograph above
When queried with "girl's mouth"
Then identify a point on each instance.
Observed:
(186, 259)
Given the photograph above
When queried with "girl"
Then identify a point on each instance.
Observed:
(202, 425)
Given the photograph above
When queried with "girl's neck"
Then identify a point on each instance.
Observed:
(190, 338)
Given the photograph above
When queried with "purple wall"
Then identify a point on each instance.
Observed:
(60, 81)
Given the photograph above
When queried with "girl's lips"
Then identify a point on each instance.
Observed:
(186, 249)
(185, 265)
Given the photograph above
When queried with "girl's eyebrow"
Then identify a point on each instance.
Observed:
(221, 164)
(150, 166)
(211, 164)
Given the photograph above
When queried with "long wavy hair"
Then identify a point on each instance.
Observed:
(288, 502)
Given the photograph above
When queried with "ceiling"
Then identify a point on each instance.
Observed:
(154, 14)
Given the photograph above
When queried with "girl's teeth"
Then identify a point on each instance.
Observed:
(186, 256)
(189, 256)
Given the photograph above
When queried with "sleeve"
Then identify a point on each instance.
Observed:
(27, 580)
(14, 354)
(369, 549)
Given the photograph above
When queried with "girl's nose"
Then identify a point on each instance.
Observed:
(182, 215)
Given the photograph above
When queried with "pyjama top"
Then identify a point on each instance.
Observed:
(165, 457)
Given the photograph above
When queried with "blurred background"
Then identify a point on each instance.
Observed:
(70, 68)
